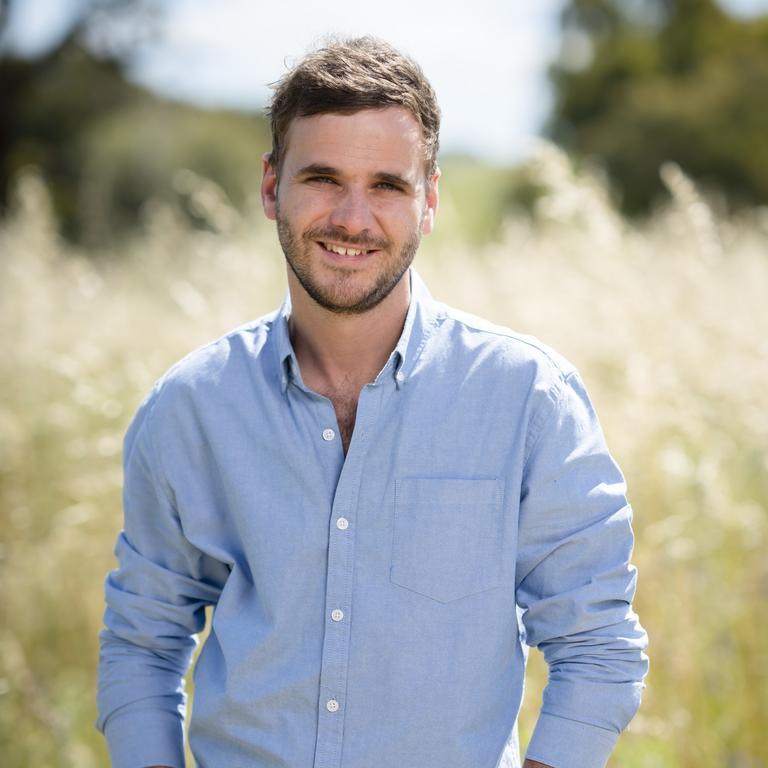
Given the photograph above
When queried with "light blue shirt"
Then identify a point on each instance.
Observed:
(373, 610)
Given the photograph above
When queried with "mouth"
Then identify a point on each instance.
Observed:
(345, 253)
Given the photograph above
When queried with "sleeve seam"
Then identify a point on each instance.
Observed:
(555, 394)
(155, 466)
(540, 420)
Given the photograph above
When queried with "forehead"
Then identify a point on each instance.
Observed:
(373, 139)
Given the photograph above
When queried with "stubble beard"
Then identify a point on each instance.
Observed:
(342, 297)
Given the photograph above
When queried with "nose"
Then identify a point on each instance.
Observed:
(352, 212)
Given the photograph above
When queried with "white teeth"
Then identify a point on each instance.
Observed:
(342, 251)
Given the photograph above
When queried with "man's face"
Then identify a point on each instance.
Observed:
(351, 204)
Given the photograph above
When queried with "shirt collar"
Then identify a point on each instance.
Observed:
(422, 317)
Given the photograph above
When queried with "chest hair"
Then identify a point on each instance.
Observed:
(345, 405)
(344, 399)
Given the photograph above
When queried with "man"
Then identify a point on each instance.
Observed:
(383, 498)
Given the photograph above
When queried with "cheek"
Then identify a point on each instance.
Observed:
(401, 217)
(302, 209)
(412, 221)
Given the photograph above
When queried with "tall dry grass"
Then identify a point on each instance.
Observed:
(666, 322)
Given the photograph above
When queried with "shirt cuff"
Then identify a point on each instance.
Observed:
(564, 743)
(145, 737)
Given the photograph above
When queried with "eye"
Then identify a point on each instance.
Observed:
(387, 185)
(321, 180)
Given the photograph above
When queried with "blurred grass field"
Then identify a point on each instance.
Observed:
(666, 321)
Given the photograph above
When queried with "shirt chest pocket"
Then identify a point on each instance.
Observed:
(448, 536)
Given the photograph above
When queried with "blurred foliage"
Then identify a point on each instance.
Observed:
(641, 82)
(477, 197)
(144, 152)
(106, 146)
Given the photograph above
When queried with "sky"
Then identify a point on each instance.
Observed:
(487, 59)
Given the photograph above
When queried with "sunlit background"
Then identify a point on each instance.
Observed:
(605, 187)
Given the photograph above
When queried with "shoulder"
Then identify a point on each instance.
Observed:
(209, 362)
(500, 347)
(519, 367)
(213, 371)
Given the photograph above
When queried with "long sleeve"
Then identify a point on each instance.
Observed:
(575, 585)
(155, 606)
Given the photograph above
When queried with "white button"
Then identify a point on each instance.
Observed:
(328, 435)
(337, 615)
(342, 523)
(332, 705)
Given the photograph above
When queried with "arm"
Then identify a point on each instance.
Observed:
(534, 764)
(155, 607)
(575, 585)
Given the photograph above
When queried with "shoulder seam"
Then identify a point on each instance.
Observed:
(540, 420)
(508, 333)
(159, 387)
(155, 467)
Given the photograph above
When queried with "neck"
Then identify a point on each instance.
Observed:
(333, 348)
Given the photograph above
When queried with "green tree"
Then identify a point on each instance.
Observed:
(105, 146)
(642, 82)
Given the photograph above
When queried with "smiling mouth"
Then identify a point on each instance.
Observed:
(343, 250)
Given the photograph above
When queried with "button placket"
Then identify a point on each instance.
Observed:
(341, 558)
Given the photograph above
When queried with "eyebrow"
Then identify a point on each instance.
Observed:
(318, 169)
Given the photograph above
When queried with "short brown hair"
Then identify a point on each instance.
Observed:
(346, 76)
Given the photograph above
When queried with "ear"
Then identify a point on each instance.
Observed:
(268, 186)
(430, 204)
